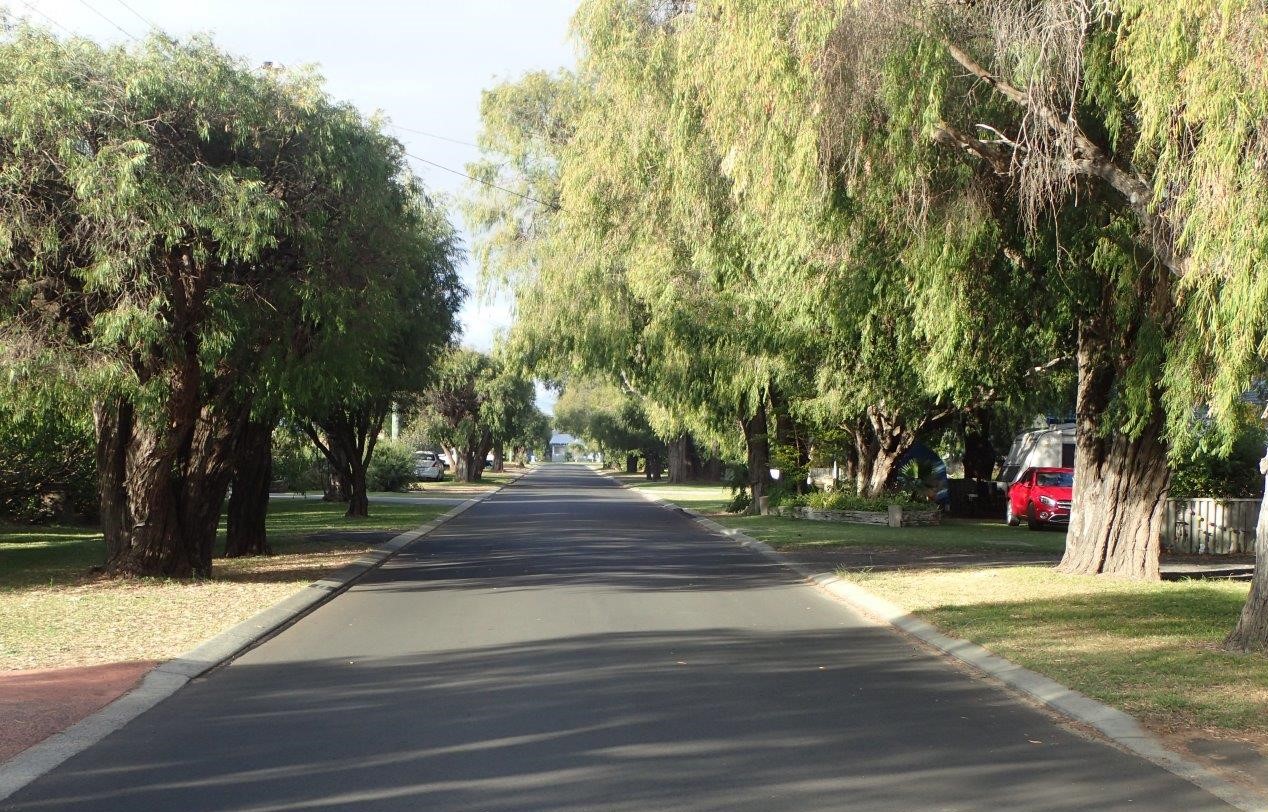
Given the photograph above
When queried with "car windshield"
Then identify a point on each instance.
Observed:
(1055, 479)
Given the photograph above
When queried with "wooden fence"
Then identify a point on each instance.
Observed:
(1214, 526)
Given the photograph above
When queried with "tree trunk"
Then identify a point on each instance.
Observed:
(678, 463)
(881, 440)
(358, 490)
(1120, 483)
(757, 447)
(979, 454)
(631, 463)
(112, 422)
(498, 463)
(1251, 632)
(652, 464)
(162, 488)
(249, 500)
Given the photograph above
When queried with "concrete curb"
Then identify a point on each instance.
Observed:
(1118, 727)
(173, 675)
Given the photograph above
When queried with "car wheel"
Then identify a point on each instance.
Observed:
(1011, 518)
(1032, 522)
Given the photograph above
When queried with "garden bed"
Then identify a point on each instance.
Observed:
(906, 516)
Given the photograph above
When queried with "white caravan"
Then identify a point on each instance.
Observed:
(1048, 447)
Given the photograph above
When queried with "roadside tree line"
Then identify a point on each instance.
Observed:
(873, 220)
(192, 250)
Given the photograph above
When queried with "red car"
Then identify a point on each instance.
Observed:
(1041, 496)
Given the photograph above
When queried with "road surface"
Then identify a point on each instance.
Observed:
(566, 645)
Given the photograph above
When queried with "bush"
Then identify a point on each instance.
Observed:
(844, 500)
(48, 469)
(391, 467)
(1236, 476)
(297, 465)
(739, 503)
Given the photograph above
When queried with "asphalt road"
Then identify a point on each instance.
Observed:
(567, 645)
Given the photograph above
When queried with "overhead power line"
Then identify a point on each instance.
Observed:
(122, 30)
(140, 16)
(50, 19)
(433, 135)
(550, 206)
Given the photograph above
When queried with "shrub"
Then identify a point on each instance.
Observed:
(391, 468)
(843, 500)
(48, 468)
(297, 465)
(739, 503)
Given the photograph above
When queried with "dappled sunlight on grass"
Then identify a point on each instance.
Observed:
(1151, 649)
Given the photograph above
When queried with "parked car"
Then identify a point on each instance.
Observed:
(1041, 496)
(428, 466)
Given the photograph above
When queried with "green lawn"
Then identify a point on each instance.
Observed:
(1151, 649)
(961, 535)
(57, 614)
(51, 554)
(704, 497)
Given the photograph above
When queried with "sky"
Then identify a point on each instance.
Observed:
(423, 63)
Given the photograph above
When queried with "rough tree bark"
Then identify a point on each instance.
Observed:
(1251, 632)
(757, 447)
(162, 487)
(249, 500)
(882, 438)
(681, 458)
(631, 463)
(499, 464)
(1120, 483)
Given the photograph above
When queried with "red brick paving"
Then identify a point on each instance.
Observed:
(36, 704)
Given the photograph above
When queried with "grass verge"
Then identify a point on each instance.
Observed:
(58, 614)
(1151, 649)
(953, 535)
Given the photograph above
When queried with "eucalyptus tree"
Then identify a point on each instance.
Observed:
(383, 352)
(176, 227)
(610, 418)
(877, 273)
(637, 274)
(474, 403)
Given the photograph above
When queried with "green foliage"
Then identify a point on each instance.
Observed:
(476, 401)
(845, 500)
(1213, 470)
(614, 421)
(392, 468)
(740, 502)
(297, 465)
(47, 464)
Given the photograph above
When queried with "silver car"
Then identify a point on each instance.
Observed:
(428, 466)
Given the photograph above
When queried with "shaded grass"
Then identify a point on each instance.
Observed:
(57, 613)
(1151, 649)
(958, 535)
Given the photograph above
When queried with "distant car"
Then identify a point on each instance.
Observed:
(428, 466)
(1041, 496)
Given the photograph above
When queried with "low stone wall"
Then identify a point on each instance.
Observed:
(904, 516)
